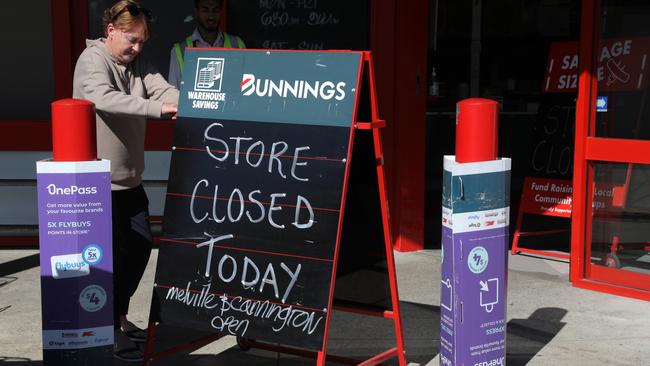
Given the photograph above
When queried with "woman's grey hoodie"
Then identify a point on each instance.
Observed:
(125, 95)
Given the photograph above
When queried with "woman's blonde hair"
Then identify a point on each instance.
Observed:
(124, 14)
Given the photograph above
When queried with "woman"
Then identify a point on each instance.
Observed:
(126, 91)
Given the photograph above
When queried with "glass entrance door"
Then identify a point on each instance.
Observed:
(619, 227)
(612, 189)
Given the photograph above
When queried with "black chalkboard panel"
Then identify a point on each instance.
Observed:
(362, 273)
(301, 24)
(271, 264)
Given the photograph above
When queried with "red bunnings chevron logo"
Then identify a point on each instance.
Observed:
(247, 84)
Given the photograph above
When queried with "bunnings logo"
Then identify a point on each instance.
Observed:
(300, 89)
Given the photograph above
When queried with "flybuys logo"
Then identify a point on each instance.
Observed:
(301, 89)
(68, 266)
(500, 361)
(54, 190)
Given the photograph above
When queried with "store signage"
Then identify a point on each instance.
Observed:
(244, 87)
(254, 201)
(544, 196)
(74, 213)
(553, 197)
(622, 66)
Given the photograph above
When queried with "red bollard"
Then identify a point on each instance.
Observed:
(73, 130)
(477, 125)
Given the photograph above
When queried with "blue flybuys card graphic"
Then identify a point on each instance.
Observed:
(68, 266)
(317, 88)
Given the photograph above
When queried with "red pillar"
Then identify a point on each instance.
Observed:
(73, 130)
(477, 130)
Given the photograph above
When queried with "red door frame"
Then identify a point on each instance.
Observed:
(589, 148)
(398, 37)
(399, 42)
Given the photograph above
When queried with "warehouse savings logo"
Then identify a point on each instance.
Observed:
(301, 89)
(206, 93)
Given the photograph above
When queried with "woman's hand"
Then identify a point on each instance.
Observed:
(169, 108)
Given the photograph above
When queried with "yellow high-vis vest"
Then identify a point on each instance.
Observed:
(229, 41)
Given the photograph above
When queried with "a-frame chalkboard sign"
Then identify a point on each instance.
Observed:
(273, 181)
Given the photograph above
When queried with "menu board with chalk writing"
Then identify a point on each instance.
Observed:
(301, 24)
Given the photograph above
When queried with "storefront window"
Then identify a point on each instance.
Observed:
(518, 53)
(500, 52)
(27, 74)
(622, 71)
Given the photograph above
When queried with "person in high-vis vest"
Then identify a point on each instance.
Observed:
(207, 14)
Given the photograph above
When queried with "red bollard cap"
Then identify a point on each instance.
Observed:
(74, 136)
(477, 130)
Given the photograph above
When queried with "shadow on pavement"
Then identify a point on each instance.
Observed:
(350, 335)
(526, 337)
(421, 325)
(19, 265)
(359, 337)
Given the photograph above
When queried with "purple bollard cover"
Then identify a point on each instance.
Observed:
(74, 209)
(475, 220)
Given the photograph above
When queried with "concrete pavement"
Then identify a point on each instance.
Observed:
(549, 322)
